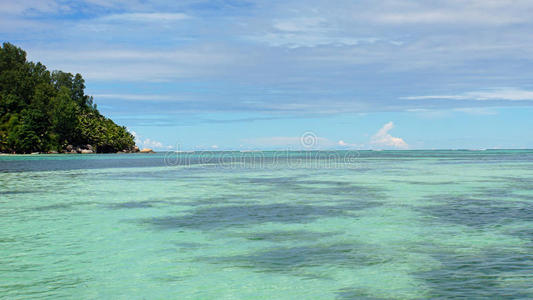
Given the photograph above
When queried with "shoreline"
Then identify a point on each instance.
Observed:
(88, 150)
(68, 153)
(256, 151)
(36, 154)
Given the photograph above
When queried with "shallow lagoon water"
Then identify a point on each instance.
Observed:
(379, 225)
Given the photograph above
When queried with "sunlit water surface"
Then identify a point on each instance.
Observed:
(410, 224)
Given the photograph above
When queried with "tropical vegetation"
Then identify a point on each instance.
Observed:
(43, 111)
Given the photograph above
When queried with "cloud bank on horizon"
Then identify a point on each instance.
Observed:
(161, 63)
(383, 139)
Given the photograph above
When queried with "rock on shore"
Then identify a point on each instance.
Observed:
(89, 149)
(147, 150)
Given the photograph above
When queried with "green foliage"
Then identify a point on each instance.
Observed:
(63, 118)
(104, 133)
(43, 111)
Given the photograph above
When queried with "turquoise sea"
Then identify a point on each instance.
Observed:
(267, 225)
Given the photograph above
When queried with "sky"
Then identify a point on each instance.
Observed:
(249, 75)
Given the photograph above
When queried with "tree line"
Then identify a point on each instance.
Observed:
(43, 111)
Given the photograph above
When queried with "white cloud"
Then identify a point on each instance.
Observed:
(148, 143)
(481, 111)
(309, 32)
(152, 144)
(145, 17)
(31, 6)
(509, 94)
(135, 65)
(362, 23)
(132, 55)
(298, 24)
(293, 40)
(136, 5)
(344, 144)
(136, 97)
(452, 12)
(383, 139)
(445, 16)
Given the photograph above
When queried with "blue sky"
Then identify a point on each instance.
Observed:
(259, 74)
